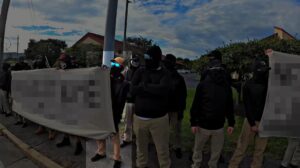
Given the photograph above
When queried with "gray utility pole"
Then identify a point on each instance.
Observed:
(125, 29)
(18, 41)
(3, 17)
(110, 31)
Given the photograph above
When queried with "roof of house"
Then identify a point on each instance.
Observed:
(98, 38)
(279, 28)
(275, 35)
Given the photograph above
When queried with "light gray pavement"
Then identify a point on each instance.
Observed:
(12, 157)
(63, 156)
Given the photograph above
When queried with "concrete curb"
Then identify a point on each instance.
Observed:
(35, 156)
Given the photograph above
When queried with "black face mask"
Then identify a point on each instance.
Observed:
(169, 65)
(261, 75)
(151, 64)
(115, 71)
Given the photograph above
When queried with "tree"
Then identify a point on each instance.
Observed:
(239, 56)
(139, 44)
(86, 54)
(51, 48)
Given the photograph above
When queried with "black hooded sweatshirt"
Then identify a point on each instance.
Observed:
(213, 102)
(119, 90)
(254, 96)
(150, 88)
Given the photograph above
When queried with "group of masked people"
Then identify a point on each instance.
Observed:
(213, 104)
(142, 92)
(148, 94)
(153, 98)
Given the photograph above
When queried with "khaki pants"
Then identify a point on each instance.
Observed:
(158, 128)
(292, 153)
(4, 102)
(128, 110)
(246, 136)
(175, 130)
(217, 142)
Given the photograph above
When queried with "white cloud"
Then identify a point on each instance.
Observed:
(186, 34)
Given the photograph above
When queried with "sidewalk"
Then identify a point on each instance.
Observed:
(65, 158)
(12, 157)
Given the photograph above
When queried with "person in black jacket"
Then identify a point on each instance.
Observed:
(150, 87)
(5, 89)
(177, 103)
(215, 57)
(212, 103)
(119, 90)
(254, 97)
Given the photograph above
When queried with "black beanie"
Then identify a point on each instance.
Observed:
(155, 53)
(171, 58)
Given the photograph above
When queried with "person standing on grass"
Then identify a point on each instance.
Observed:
(5, 89)
(151, 88)
(134, 64)
(177, 103)
(119, 90)
(214, 56)
(213, 102)
(254, 96)
(292, 154)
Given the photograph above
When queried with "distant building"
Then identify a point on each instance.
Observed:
(281, 34)
(95, 57)
(96, 39)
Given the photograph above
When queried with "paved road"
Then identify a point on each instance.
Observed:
(191, 79)
(12, 157)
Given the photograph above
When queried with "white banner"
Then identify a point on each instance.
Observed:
(76, 102)
(281, 117)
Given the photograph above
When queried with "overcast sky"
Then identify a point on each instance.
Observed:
(186, 28)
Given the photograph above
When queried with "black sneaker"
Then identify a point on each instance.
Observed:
(117, 164)
(8, 114)
(221, 159)
(97, 157)
(78, 149)
(293, 166)
(18, 123)
(64, 142)
(125, 143)
(178, 153)
(24, 125)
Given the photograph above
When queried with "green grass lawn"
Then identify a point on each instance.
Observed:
(275, 149)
